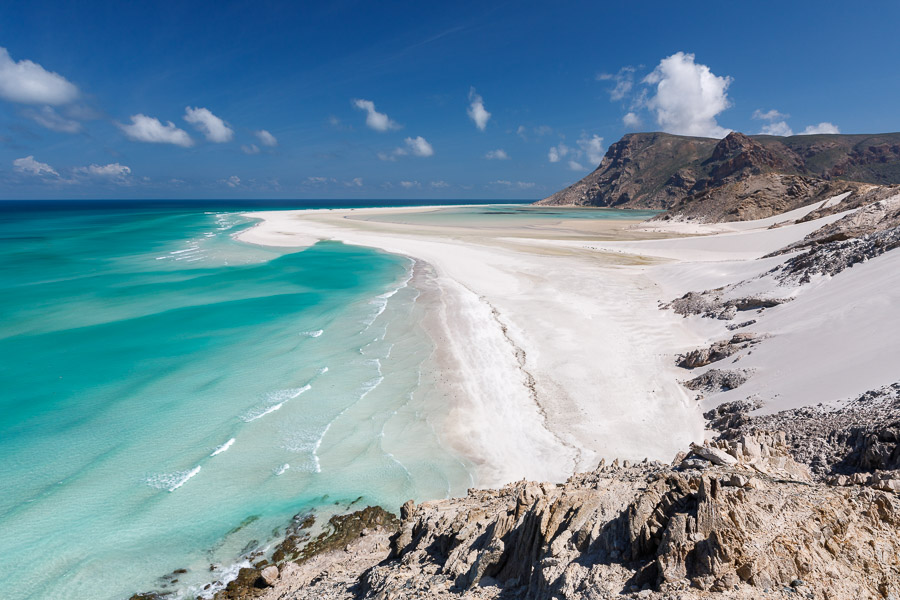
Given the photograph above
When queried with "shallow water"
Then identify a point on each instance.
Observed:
(171, 397)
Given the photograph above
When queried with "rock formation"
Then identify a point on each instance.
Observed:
(737, 178)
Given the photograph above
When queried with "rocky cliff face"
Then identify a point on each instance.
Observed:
(736, 178)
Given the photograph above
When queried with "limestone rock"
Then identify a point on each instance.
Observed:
(269, 575)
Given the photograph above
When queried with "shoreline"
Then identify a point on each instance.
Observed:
(546, 375)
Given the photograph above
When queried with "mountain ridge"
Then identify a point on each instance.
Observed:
(735, 178)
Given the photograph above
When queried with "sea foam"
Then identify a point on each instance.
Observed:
(223, 447)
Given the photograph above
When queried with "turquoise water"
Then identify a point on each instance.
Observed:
(171, 397)
(505, 215)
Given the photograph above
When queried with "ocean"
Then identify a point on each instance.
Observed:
(171, 397)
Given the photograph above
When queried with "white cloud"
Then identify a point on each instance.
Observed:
(624, 82)
(520, 131)
(49, 118)
(576, 166)
(631, 120)
(499, 154)
(777, 128)
(265, 138)
(592, 147)
(209, 124)
(149, 129)
(523, 185)
(769, 115)
(374, 119)
(439, 184)
(32, 167)
(419, 146)
(823, 127)
(777, 125)
(112, 170)
(355, 182)
(319, 180)
(409, 184)
(232, 181)
(476, 110)
(250, 149)
(557, 152)
(29, 83)
(688, 97)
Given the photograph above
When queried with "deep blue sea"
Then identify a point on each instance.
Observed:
(170, 397)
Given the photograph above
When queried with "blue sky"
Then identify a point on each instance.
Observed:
(411, 100)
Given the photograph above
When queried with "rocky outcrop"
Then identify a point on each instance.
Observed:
(717, 380)
(745, 520)
(737, 178)
(717, 351)
(860, 437)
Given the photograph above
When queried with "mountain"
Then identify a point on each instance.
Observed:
(738, 177)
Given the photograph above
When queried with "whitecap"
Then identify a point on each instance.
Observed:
(322, 370)
(172, 481)
(223, 447)
(276, 401)
(312, 334)
(282, 469)
(258, 414)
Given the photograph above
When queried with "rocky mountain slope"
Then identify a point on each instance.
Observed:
(737, 178)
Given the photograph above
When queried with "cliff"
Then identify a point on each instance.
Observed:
(737, 178)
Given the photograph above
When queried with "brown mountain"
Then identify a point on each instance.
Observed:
(738, 177)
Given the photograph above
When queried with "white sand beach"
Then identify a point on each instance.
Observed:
(551, 340)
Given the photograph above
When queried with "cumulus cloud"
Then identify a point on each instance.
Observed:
(232, 181)
(624, 82)
(631, 120)
(265, 138)
(498, 154)
(688, 97)
(777, 128)
(823, 127)
(476, 110)
(49, 118)
(319, 180)
(29, 83)
(589, 148)
(151, 130)
(208, 124)
(419, 146)
(769, 115)
(776, 122)
(374, 119)
(32, 167)
(110, 171)
(250, 149)
(439, 184)
(409, 184)
(592, 147)
(355, 182)
(557, 152)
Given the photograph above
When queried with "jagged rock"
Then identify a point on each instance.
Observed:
(717, 380)
(862, 435)
(269, 575)
(714, 455)
(717, 351)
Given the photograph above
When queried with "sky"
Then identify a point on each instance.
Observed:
(406, 100)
